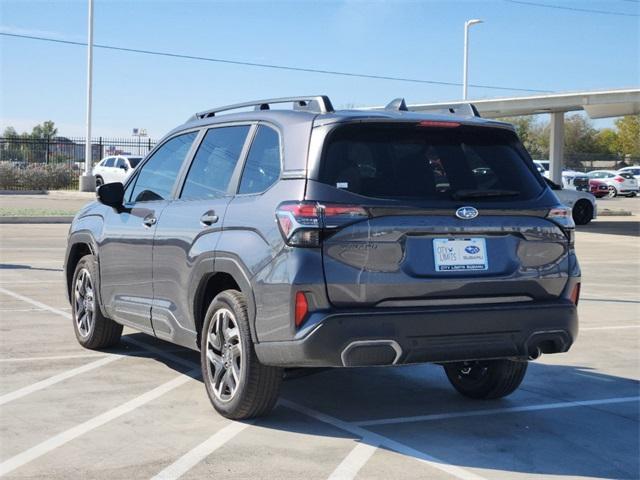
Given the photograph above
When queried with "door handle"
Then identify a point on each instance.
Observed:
(209, 218)
(150, 220)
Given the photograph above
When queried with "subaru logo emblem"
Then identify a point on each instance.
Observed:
(466, 213)
(471, 249)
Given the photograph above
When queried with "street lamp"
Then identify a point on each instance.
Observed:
(467, 24)
(87, 180)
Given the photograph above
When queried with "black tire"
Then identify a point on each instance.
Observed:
(256, 391)
(96, 331)
(488, 379)
(582, 212)
(99, 181)
(632, 194)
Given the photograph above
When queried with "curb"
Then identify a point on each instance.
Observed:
(23, 220)
(614, 213)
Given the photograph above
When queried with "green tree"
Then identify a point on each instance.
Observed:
(608, 141)
(531, 133)
(44, 130)
(10, 132)
(629, 134)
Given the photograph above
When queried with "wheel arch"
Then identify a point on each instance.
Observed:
(228, 274)
(79, 245)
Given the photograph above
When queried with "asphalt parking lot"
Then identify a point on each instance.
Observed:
(140, 411)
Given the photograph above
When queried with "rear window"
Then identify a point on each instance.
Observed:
(428, 163)
(134, 161)
(627, 175)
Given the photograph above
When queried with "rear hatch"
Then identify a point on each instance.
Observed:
(443, 214)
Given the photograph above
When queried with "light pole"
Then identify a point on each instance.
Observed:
(465, 66)
(87, 181)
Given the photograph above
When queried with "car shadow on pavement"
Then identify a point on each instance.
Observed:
(16, 266)
(608, 227)
(597, 440)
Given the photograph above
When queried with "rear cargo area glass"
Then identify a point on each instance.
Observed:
(413, 161)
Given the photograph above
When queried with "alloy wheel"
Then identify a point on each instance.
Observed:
(84, 303)
(224, 355)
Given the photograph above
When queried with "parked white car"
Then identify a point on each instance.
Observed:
(634, 170)
(583, 205)
(620, 183)
(116, 168)
(543, 167)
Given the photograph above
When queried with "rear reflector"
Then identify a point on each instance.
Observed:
(575, 294)
(302, 308)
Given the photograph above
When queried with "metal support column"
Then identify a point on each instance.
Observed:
(556, 147)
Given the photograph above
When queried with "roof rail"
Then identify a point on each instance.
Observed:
(311, 103)
(459, 109)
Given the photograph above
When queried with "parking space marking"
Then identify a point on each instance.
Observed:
(34, 387)
(352, 463)
(35, 303)
(68, 435)
(374, 439)
(608, 300)
(130, 353)
(609, 327)
(201, 451)
(495, 411)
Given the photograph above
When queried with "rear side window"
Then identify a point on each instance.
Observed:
(213, 165)
(428, 163)
(158, 175)
(262, 167)
(627, 175)
(120, 163)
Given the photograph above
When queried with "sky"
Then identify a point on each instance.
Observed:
(519, 45)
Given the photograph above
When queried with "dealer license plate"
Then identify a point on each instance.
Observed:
(454, 255)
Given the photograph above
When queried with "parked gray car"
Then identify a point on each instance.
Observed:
(270, 239)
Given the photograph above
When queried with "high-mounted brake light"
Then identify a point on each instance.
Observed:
(302, 222)
(434, 123)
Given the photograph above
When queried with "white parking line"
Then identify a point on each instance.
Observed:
(79, 430)
(130, 353)
(201, 451)
(35, 303)
(352, 463)
(609, 327)
(22, 392)
(495, 411)
(374, 439)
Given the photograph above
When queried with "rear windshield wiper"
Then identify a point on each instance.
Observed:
(462, 194)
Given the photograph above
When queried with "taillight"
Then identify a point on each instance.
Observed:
(434, 123)
(618, 179)
(302, 308)
(575, 294)
(301, 223)
(562, 216)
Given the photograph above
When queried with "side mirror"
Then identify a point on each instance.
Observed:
(111, 194)
(124, 167)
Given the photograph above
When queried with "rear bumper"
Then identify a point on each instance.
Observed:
(399, 336)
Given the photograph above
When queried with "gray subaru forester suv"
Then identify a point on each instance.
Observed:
(307, 237)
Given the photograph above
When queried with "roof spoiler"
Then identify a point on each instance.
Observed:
(458, 109)
(311, 103)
